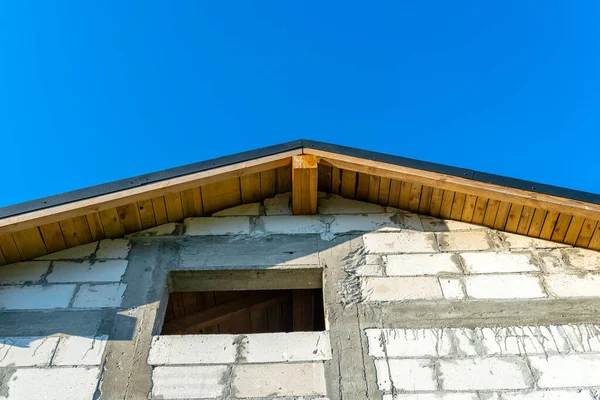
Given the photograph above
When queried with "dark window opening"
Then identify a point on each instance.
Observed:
(244, 311)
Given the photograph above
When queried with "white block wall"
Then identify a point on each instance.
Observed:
(520, 362)
(241, 366)
(83, 277)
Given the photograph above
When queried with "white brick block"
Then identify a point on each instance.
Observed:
(421, 343)
(489, 263)
(80, 350)
(408, 220)
(291, 225)
(113, 249)
(74, 253)
(407, 374)
(99, 296)
(564, 285)
(160, 230)
(464, 241)
(552, 262)
(561, 371)
(485, 374)
(548, 395)
(583, 260)
(421, 264)
(431, 224)
(525, 242)
(504, 287)
(86, 271)
(52, 383)
(363, 223)
(335, 204)
(400, 288)
(278, 205)
(271, 380)
(27, 351)
(369, 270)
(188, 382)
(249, 210)
(284, 347)
(576, 338)
(452, 288)
(400, 242)
(23, 272)
(192, 349)
(518, 340)
(432, 396)
(217, 226)
(35, 297)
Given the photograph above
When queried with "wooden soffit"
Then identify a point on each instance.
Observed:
(31, 229)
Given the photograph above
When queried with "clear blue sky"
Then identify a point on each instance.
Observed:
(94, 91)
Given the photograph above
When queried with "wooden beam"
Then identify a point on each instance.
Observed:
(458, 184)
(145, 192)
(214, 315)
(304, 185)
(241, 279)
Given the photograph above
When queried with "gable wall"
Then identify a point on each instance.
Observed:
(416, 307)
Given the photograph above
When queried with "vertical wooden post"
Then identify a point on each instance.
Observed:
(304, 185)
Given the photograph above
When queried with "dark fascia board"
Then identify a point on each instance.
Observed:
(171, 173)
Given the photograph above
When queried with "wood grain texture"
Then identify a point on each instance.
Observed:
(53, 237)
(9, 249)
(30, 243)
(191, 203)
(250, 188)
(304, 185)
(469, 208)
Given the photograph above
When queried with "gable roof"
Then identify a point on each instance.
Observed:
(114, 209)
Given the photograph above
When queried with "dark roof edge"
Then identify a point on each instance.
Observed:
(116, 186)
(460, 172)
(111, 187)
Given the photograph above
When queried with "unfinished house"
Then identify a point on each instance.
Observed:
(303, 271)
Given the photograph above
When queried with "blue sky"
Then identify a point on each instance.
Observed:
(96, 91)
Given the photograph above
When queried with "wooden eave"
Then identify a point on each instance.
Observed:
(35, 228)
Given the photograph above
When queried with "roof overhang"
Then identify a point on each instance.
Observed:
(471, 186)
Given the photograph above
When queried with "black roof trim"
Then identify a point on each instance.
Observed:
(145, 179)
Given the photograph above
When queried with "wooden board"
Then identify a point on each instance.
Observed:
(53, 237)
(191, 203)
(304, 185)
(218, 196)
(384, 191)
(250, 188)
(469, 208)
(348, 189)
(30, 243)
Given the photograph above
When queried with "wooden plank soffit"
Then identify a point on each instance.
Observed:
(458, 184)
(145, 192)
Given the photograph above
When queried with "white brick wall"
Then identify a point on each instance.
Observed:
(87, 276)
(65, 367)
(400, 242)
(485, 374)
(52, 383)
(507, 286)
(24, 272)
(401, 288)
(188, 382)
(253, 365)
(519, 362)
(422, 264)
(411, 374)
(271, 380)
